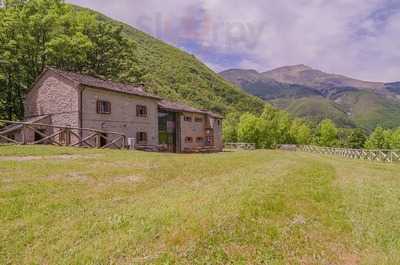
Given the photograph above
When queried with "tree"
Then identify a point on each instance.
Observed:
(249, 130)
(395, 139)
(39, 33)
(379, 139)
(327, 133)
(356, 139)
(275, 127)
(230, 126)
(300, 132)
(268, 127)
(283, 124)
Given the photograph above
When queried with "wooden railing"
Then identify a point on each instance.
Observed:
(24, 133)
(240, 146)
(360, 154)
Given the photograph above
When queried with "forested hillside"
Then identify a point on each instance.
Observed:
(37, 33)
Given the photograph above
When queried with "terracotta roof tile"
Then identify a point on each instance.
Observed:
(175, 106)
(212, 114)
(90, 81)
(138, 90)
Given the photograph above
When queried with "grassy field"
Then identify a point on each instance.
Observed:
(74, 206)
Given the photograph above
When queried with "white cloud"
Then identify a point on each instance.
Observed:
(342, 36)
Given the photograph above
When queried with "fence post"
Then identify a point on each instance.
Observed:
(67, 132)
(23, 135)
(123, 142)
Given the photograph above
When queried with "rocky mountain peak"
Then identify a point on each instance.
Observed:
(293, 68)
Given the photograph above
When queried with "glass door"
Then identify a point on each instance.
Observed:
(167, 130)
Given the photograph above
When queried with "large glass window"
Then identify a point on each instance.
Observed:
(167, 130)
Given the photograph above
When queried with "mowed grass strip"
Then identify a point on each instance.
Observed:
(85, 206)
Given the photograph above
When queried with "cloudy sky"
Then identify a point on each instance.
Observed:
(359, 38)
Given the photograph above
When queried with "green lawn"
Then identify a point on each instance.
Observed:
(76, 206)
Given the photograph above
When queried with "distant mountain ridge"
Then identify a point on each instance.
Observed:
(314, 94)
(307, 76)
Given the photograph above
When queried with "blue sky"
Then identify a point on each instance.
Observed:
(358, 38)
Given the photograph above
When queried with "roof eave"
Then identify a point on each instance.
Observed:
(121, 92)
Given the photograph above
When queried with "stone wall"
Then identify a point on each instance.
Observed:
(60, 98)
(192, 129)
(217, 127)
(55, 96)
(122, 118)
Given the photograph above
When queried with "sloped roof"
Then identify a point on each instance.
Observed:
(179, 107)
(213, 114)
(131, 89)
(175, 106)
(91, 81)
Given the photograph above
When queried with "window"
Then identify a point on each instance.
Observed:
(141, 111)
(103, 107)
(187, 118)
(219, 123)
(188, 140)
(141, 137)
(198, 119)
(199, 140)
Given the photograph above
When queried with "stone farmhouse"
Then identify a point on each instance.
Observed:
(75, 100)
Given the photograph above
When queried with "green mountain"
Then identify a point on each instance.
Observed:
(39, 33)
(315, 109)
(177, 75)
(265, 87)
(369, 110)
(316, 95)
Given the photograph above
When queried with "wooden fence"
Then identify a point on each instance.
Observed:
(388, 156)
(240, 146)
(23, 133)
